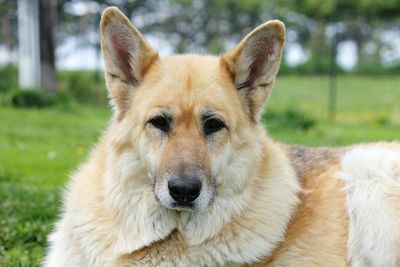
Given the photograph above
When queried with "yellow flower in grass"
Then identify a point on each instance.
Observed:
(80, 150)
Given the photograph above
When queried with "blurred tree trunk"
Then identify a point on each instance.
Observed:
(320, 52)
(47, 23)
(6, 36)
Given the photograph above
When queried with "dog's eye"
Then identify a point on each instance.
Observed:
(161, 123)
(213, 125)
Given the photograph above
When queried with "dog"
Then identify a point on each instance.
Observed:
(186, 175)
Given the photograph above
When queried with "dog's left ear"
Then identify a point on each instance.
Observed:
(254, 63)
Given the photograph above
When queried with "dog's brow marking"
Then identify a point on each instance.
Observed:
(207, 114)
(164, 111)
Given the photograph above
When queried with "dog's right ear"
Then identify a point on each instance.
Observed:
(126, 54)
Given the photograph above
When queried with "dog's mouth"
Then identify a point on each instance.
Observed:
(197, 206)
(175, 205)
(183, 206)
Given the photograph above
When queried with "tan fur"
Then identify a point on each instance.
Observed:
(317, 234)
(261, 203)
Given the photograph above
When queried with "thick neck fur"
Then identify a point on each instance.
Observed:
(237, 228)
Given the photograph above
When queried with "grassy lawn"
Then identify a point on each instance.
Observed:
(39, 148)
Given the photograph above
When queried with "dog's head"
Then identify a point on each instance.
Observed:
(192, 120)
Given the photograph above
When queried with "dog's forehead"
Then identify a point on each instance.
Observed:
(189, 82)
(190, 73)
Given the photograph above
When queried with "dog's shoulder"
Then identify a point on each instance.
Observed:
(320, 220)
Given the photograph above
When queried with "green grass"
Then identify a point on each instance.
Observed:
(39, 148)
(368, 109)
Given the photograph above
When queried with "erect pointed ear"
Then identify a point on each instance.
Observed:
(126, 54)
(254, 63)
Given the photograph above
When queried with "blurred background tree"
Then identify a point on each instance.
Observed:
(70, 37)
(213, 26)
(47, 29)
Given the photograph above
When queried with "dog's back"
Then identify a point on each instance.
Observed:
(350, 212)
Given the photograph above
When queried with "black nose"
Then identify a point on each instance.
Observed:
(184, 189)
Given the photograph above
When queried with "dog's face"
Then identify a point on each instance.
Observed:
(186, 128)
(188, 117)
